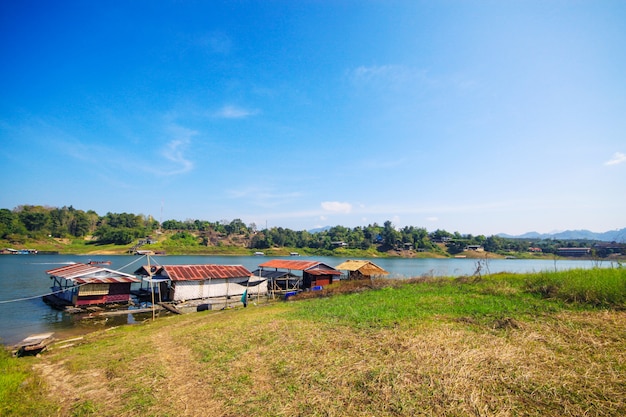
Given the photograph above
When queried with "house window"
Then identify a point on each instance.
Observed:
(93, 289)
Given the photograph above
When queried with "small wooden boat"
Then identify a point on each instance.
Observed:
(99, 263)
(33, 344)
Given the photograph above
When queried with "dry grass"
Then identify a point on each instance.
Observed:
(264, 362)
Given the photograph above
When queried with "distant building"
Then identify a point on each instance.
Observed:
(606, 248)
(573, 251)
(475, 248)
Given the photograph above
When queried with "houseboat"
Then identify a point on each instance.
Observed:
(81, 285)
(199, 282)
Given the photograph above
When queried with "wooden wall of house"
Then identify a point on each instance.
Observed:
(118, 293)
(309, 280)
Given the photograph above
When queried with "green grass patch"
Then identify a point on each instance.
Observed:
(483, 299)
(598, 287)
(21, 392)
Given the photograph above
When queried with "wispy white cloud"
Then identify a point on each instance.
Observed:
(175, 151)
(618, 158)
(402, 78)
(336, 207)
(388, 76)
(234, 112)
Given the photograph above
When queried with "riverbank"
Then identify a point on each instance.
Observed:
(489, 346)
(89, 248)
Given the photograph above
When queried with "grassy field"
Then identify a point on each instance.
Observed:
(548, 344)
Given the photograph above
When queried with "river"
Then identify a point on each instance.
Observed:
(23, 280)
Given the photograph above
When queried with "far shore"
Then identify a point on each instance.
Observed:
(342, 253)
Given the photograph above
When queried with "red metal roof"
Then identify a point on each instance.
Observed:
(311, 267)
(84, 273)
(204, 272)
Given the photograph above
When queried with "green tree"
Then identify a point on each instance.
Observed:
(80, 224)
(116, 236)
(390, 235)
(493, 244)
(34, 218)
(8, 223)
(59, 219)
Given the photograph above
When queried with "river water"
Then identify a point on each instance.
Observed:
(23, 280)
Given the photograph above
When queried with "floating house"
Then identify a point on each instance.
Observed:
(361, 269)
(314, 274)
(82, 285)
(195, 282)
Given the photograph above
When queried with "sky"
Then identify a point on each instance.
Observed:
(478, 117)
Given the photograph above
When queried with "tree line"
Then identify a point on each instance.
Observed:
(39, 222)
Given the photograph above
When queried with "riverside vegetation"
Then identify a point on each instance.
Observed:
(543, 344)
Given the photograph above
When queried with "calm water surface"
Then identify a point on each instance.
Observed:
(24, 278)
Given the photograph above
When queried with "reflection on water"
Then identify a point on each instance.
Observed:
(69, 326)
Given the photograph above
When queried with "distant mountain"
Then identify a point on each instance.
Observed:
(610, 236)
(320, 229)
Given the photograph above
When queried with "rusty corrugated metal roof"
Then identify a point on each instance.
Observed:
(105, 280)
(84, 273)
(204, 272)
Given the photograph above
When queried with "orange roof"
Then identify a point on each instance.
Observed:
(312, 267)
(286, 264)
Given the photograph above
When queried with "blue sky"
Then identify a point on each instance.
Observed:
(479, 117)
